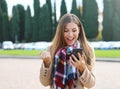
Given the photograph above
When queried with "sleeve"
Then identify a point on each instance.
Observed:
(87, 78)
(45, 75)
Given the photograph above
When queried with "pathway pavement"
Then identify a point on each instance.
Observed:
(37, 57)
(19, 73)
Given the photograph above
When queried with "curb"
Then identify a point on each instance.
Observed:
(19, 57)
(108, 59)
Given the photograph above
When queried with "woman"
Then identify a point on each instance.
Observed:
(61, 72)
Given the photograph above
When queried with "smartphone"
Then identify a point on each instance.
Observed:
(76, 51)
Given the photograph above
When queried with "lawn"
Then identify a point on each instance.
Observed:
(107, 53)
(98, 53)
(20, 52)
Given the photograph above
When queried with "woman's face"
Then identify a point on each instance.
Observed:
(71, 33)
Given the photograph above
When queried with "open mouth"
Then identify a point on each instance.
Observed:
(70, 39)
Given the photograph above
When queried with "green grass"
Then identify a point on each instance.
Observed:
(108, 53)
(98, 53)
(20, 52)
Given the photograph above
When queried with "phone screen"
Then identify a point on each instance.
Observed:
(76, 51)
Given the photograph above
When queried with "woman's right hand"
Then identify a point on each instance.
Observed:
(46, 57)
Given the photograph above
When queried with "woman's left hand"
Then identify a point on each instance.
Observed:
(78, 63)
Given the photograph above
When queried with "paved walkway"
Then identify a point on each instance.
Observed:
(37, 57)
(17, 73)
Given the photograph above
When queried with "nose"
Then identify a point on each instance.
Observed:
(70, 34)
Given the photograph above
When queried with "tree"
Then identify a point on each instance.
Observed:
(28, 25)
(63, 9)
(1, 37)
(76, 10)
(15, 24)
(3, 6)
(107, 32)
(4, 28)
(48, 2)
(36, 21)
(44, 33)
(116, 27)
(54, 19)
(21, 31)
(90, 17)
(116, 6)
(116, 20)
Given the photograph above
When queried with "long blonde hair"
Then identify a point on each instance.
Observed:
(59, 41)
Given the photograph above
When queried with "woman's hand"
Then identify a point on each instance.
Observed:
(78, 63)
(46, 57)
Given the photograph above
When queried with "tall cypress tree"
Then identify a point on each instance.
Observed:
(36, 27)
(3, 6)
(28, 25)
(4, 21)
(54, 20)
(48, 2)
(63, 9)
(75, 10)
(107, 32)
(116, 27)
(90, 16)
(5, 32)
(116, 6)
(21, 13)
(1, 37)
(15, 24)
(45, 30)
(116, 20)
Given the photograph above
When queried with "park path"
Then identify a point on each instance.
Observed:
(24, 74)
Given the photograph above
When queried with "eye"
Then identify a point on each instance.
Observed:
(65, 30)
(74, 30)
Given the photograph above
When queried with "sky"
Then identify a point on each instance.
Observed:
(25, 3)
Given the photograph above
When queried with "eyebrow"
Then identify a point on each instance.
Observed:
(68, 28)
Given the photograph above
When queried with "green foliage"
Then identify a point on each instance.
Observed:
(50, 21)
(42, 26)
(116, 6)
(3, 6)
(90, 17)
(44, 33)
(116, 27)
(76, 10)
(63, 9)
(4, 32)
(15, 24)
(36, 21)
(111, 20)
(116, 20)
(107, 21)
(5, 28)
(28, 25)
(1, 25)
(54, 20)
(21, 17)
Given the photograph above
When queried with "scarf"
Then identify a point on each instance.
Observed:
(63, 72)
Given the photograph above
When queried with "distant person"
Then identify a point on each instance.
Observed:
(61, 70)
